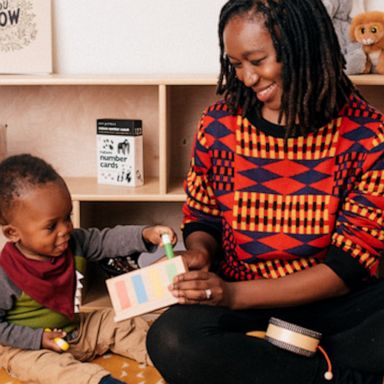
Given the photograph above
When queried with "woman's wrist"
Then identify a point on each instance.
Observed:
(203, 245)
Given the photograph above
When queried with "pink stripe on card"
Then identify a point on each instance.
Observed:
(122, 294)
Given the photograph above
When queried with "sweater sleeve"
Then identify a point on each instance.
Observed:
(10, 334)
(358, 240)
(201, 210)
(122, 240)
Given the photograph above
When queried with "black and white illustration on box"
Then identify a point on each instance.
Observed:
(120, 152)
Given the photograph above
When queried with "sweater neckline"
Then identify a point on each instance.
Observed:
(271, 129)
(265, 126)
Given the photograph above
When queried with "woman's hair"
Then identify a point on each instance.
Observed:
(315, 85)
(19, 174)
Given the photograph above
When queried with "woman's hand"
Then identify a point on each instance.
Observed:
(202, 249)
(200, 287)
(196, 260)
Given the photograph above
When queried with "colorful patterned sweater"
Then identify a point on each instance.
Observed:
(277, 209)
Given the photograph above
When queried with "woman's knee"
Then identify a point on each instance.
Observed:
(165, 334)
(180, 326)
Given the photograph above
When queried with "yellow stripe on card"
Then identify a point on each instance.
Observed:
(156, 282)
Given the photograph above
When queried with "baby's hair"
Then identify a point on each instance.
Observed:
(20, 173)
(315, 85)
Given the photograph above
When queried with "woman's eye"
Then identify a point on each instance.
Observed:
(258, 61)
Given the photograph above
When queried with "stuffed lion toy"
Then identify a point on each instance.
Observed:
(367, 28)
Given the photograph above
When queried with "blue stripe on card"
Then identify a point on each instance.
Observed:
(141, 293)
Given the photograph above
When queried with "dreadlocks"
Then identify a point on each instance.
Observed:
(315, 85)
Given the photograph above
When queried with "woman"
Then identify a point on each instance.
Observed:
(284, 210)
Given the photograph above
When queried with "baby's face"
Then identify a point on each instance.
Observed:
(42, 219)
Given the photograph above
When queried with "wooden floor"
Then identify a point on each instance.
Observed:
(120, 367)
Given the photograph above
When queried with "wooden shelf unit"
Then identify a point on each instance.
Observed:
(54, 116)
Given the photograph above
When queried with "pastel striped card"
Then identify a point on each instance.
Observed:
(145, 290)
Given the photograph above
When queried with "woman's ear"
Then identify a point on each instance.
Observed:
(11, 233)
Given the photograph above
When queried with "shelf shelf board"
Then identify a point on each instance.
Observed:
(55, 79)
(142, 79)
(88, 189)
(371, 79)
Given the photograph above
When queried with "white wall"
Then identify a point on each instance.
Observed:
(360, 6)
(136, 36)
(374, 5)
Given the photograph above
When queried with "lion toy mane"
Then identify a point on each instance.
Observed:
(367, 28)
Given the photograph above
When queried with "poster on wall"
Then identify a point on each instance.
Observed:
(25, 37)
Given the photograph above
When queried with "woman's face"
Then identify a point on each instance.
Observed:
(249, 48)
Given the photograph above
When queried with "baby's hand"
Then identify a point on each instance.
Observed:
(54, 341)
(153, 234)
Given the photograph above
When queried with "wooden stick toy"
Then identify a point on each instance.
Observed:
(167, 246)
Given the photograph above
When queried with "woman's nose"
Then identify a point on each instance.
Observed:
(250, 78)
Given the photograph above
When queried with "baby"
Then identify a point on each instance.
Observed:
(39, 270)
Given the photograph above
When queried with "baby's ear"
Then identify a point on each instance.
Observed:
(11, 232)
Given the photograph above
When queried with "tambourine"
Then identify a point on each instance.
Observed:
(296, 339)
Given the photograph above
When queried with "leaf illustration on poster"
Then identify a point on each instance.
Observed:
(25, 36)
(11, 19)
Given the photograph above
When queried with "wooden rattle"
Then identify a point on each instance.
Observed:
(296, 339)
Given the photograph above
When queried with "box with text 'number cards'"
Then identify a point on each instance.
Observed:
(120, 152)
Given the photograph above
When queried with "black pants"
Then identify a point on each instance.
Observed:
(204, 344)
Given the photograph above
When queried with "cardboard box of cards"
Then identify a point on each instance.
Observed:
(120, 152)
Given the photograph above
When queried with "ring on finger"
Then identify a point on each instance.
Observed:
(208, 294)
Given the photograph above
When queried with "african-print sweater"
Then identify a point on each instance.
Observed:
(276, 206)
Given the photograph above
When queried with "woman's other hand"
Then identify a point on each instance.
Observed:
(200, 287)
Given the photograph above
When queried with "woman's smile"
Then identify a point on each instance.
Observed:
(267, 93)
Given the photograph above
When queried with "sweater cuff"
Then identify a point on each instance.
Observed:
(345, 266)
(203, 227)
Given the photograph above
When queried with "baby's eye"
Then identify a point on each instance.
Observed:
(373, 29)
(363, 30)
(51, 227)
